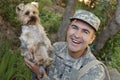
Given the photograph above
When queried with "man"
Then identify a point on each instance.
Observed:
(73, 59)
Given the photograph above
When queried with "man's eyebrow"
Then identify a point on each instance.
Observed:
(74, 25)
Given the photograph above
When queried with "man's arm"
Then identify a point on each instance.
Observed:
(36, 70)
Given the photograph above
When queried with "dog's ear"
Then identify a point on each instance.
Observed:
(35, 4)
(20, 8)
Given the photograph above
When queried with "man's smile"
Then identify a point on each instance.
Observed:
(75, 41)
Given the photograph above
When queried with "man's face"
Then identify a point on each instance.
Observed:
(79, 36)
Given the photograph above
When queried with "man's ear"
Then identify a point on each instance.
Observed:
(35, 4)
(20, 8)
(92, 38)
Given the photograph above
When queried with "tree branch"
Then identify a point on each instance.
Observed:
(65, 20)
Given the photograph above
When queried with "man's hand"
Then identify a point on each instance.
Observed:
(36, 69)
(32, 66)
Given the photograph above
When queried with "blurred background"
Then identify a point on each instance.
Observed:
(54, 15)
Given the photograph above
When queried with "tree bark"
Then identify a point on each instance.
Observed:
(70, 9)
(110, 30)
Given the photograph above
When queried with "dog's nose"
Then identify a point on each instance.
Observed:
(33, 18)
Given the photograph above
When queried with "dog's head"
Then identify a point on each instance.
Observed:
(29, 13)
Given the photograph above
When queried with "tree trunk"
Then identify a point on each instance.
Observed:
(112, 28)
(70, 9)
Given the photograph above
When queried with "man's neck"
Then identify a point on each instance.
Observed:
(76, 55)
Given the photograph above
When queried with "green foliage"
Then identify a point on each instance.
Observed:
(12, 66)
(7, 10)
(110, 54)
(43, 3)
(50, 21)
(115, 59)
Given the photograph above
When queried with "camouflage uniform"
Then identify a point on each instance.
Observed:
(66, 68)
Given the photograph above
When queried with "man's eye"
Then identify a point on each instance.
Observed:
(27, 13)
(86, 31)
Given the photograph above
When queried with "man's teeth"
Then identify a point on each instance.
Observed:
(75, 41)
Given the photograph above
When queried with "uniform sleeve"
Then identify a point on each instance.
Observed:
(95, 73)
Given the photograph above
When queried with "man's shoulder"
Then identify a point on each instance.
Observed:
(93, 70)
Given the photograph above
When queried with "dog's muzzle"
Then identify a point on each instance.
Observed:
(32, 20)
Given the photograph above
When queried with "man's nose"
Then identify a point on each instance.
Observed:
(78, 34)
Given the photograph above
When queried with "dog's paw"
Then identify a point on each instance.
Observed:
(50, 48)
(48, 61)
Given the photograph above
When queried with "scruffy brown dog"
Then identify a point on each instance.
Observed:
(34, 41)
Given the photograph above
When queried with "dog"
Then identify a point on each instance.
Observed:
(35, 44)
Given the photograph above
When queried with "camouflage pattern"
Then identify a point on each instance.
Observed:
(66, 68)
(88, 17)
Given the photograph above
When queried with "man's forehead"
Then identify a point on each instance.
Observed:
(79, 21)
(87, 26)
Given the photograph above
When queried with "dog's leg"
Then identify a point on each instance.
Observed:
(47, 43)
(44, 54)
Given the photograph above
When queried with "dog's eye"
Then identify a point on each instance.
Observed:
(27, 13)
(34, 12)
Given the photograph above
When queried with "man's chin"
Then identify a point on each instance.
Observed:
(73, 49)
